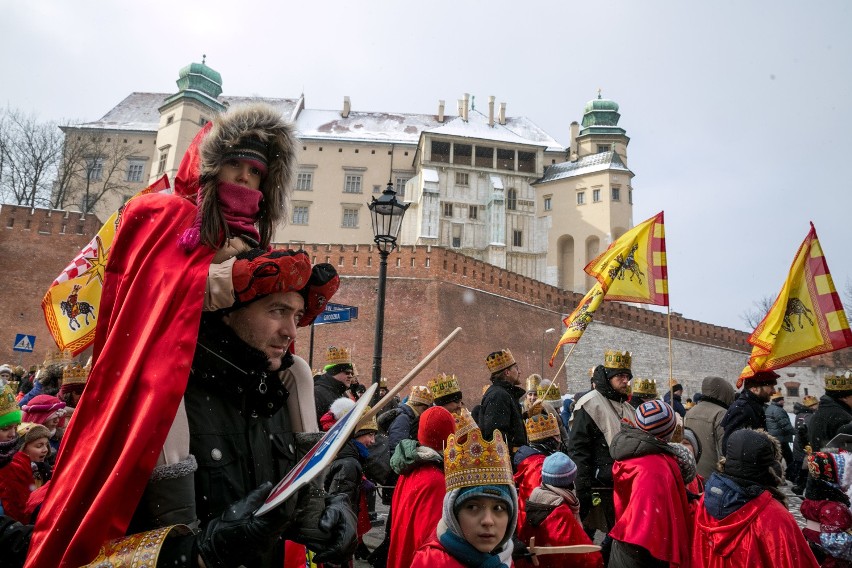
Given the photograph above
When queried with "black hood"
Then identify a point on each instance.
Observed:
(600, 378)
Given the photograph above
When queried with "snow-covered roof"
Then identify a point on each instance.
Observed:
(363, 126)
(430, 175)
(517, 130)
(140, 111)
(585, 165)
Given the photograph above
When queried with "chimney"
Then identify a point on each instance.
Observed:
(466, 105)
(441, 111)
(491, 111)
(502, 116)
(461, 109)
(346, 108)
(572, 143)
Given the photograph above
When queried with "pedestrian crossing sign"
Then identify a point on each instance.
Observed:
(24, 343)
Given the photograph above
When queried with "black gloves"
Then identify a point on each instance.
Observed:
(334, 537)
(14, 541)
(238, 537)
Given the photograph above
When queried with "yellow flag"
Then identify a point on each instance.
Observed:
(806, 319)
(580, 318)
(72, 302)
(633, 268)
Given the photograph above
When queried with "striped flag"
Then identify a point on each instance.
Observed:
(71, 303)
(806, 319)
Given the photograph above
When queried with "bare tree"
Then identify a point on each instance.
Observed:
(31, 151)
(760, 308)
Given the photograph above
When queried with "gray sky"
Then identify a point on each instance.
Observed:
(738, 112)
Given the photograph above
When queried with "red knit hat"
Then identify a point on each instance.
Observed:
(41, 408)
(436, 425)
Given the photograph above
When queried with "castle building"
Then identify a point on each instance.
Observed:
(493, 187)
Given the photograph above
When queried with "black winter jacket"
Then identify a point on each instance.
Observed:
(745, 412)
(827, 420)
(327, 389)
(500, 410)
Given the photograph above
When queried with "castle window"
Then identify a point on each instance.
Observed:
(616, 193)
(94, 169)
(304, 181)
(135, 169)
(350, 218)
(517, 238)
(352, 184)
(581, 197)
(300, 215)
(505, 160)
(462, 178)
(484, 157)
(604, 148)
(399, 186)
(526, 162)
(441, 152)
(161, 166)
(462, 154)
(472, 212)
(548, 203)
(630, 196)
(448, 209)
(512, 200)
(596, 195)
(170, 119)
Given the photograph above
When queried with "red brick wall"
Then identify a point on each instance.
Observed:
(35, 245)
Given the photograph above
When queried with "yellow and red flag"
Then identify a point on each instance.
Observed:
(72, 302)
(806, 319)
(580, 318)
(633, 268)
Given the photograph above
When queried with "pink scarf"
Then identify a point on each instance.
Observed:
(240, 206)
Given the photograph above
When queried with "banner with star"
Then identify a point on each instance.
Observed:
(71, 303)
(806, 319)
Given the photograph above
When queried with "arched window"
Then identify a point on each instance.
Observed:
(512, 200)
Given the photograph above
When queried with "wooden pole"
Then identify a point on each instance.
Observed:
(411, 374)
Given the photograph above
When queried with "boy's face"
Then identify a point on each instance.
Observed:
(483, 522)
(52, 423)
(369, 440)
(37, 450)
(8, 433)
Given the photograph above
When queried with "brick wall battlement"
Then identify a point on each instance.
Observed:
(55, 222)
(449, 266)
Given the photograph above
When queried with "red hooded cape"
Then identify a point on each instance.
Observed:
(761, 533)
(417, 503)
(148, 322)
(651, 507)
(527, 478)
(560, 528)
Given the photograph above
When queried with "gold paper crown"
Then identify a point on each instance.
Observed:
(548, 391)
(532, 382)
(645, 387)
(7, 402)
(338, 356)
(464, 422)
(810, 400)
(838, 383)
(500, 360)
(617, 359)
(369, 425)
(75, 374)
(541, 426)
(383, 383)
(477, 461)
(776, 396)
(420, 395)
(443, 385)
(58, 358)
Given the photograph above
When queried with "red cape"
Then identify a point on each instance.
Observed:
(761, 533)
(417, 503)
(651, 508)
(433, 555)
(560, 528)
(148, 322)
(527, 478)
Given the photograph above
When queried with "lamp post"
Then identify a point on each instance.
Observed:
(543, 336)
(386, 213)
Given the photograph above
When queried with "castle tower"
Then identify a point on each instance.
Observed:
(586, 203)
(184, 113)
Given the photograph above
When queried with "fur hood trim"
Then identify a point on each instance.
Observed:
(341, 406)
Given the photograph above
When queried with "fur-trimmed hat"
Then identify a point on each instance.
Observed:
(255, 127)
(341, 406)
(42, 408)
(30, 432)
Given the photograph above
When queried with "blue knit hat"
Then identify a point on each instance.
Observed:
(657, 419)
(500, 492)
(558, 470)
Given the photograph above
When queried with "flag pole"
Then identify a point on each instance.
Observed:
(559, 370)
(671, 364)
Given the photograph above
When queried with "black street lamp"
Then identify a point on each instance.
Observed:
(386, 213)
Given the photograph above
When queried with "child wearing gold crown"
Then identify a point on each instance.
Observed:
(480, 510)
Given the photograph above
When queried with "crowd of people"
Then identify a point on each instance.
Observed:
(160, 449)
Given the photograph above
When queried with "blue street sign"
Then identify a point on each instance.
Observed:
(24, 342)
(337, 316)
(353, 310)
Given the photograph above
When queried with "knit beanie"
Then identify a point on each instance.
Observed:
(30, 432)
(689, 436)
(42, 408)
(558, 470)
(436, 425)
(500, 492)
(656, 418)
(753, 455)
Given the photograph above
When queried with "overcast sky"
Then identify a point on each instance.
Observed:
(739, 112)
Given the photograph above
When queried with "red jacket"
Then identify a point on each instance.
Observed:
(417, 503)
(651, 508)
(527, 478)
(560, 528)
(433, 555)
(16, 484)
(761, 533)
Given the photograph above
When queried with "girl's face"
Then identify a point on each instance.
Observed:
(483, 522)
(8, 433)
(240, 172)
(52, 423)
(37, 450)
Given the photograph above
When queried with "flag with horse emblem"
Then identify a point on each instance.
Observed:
(806, 319)
(633, 268)
(71, 303)
(580, 318)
